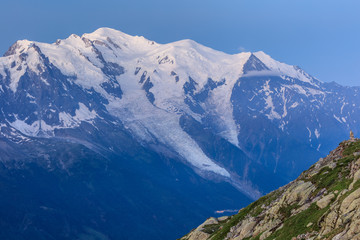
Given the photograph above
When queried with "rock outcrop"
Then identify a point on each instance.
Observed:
(322, 203)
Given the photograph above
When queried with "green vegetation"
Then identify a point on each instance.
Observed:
(253, 238)
(296, 224)
(254, 209)
(211, 228)
(334, 179)
(225, 228)
(331, 179)
(356, 186)
(353, 147)
(334, 232)
(285, 211)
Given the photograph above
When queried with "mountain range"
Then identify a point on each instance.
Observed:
(112, 136)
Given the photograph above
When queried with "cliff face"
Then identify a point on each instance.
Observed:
(322, 203)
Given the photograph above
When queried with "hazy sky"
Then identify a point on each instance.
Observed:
(320, 36)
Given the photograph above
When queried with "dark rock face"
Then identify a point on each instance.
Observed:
(254, 64)
(262, 136)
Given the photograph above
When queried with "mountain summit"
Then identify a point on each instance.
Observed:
(175, 121)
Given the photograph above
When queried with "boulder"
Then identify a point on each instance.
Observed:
(324, 202)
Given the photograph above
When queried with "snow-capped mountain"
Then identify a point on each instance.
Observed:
(246, 119)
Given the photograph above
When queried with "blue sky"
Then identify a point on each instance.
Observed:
(321, 36)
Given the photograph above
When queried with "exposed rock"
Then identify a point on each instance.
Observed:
(324, 202)
(210, 221)
(352, 138)
(354, 167)
(299, 193)
(223, 218)
(329, 223)
(245, 229)
(321, 202)
(265, 234)
(351, 202)
(356, 178)
(198, 233)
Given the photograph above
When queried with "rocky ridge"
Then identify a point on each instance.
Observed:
(322, 203)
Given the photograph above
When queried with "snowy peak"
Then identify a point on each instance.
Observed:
(121, 42)
(18, 47)
(253, 64)
(91, 51)
(106, 79)
(285, 69)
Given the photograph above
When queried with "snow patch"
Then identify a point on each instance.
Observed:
(317, 133)
(269, 102)
(294, 105)
(309, 133)
(337, 118)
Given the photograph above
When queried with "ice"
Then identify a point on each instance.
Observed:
(84, 114)
(337, 118)
(269, 102)
(285, 69)
(150, 124)
(317, 133)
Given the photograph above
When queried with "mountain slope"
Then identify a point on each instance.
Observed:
(322, 203)
(57, 189)
(110, 75)
(181, 119)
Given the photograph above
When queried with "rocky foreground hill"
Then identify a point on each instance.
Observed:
(322, 203)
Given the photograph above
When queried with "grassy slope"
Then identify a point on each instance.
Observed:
(334, 180)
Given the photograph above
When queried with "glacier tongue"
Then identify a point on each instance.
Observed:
(151, 124)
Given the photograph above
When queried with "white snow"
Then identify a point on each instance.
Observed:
(76, 57)
(338, 119)
(269, 102)
(342, 107)
(283, 69)
(318, 148)
(317, 133)
(309, 133)
(150, 123)
(67, 121)
(84, 114)
(33, 129)
(294, 105)
(283, 89)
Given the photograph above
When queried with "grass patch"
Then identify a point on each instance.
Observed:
(356, 186)
(296, 225)
(285, 211)
(353, 147)
(333, 179)
(334, 232)
(253, 238)
(254, 209)
(325, 177)
(223, 231)
(211, 228)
